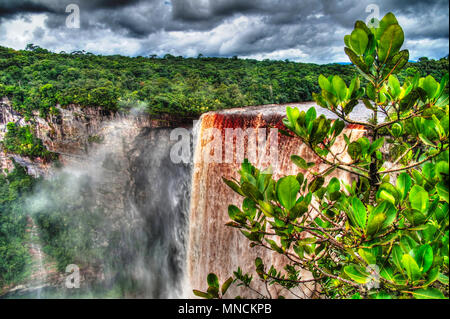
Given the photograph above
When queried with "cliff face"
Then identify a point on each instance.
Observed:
(68, 134)
(71, 133)
(118, 173)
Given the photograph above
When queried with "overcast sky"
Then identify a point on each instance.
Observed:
(298, 30)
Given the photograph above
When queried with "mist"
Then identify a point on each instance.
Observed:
(119, 213)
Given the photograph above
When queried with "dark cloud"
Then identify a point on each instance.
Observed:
(11, 8)
(313, 29)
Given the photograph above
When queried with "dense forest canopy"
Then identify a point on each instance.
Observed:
(36, 79)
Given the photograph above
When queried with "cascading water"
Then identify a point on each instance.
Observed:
(213, 247)
(39, 272)
(159, 198)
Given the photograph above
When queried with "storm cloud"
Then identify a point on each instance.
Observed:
(300, 30)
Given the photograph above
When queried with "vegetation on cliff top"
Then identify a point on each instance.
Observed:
(36, 80)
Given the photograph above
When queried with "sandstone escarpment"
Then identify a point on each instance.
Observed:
(72, 132)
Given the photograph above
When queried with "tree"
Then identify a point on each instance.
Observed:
(384, 236)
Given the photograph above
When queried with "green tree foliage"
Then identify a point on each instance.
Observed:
(69, 221)
(20, 140)
(387, 234)
(14, 256)
(36, 79)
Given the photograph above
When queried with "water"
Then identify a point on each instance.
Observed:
(36, 250)
(214, 247)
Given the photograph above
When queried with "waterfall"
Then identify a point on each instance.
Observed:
(39, 272)
(159, 195)
(213, 247)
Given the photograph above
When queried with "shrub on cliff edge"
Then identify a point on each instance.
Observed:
(385, 235)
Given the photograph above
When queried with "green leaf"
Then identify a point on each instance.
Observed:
(376, 145)
(292, 113)
(400, 280)
(300, 162)
(375, 223)
(411, 267)
(404, 183)
(274, 246)
(311, 115)
(356, 60)
(348, 108)
(358, 41)
(388, 192)
(432, 276)
(430, 86)
(251, 191)
(394, 84)
(388, 274)
(396, 63)
(383, 194)
(356, 296)
(354, 87)
(397, 130)
(428, 293)
(233, 186)
(339, 87)
(266, 208)
(419, 198)
(360, 213)
(316, 184)
(334, 185)
(300, 178)
(226, 285)
(357, 274)
(325, 84)
(423, 256)
(298, 210)
(426, 140)
(367, 256)
(367, 104)
(234, 212)
(338, 127)
(382, 295)
(388, 20)
(213, 291)
(442, 190)
(354, 150)
(443, 279)
(410, 99)
(287, 189)
(390, 42)
(201, 294)
(442, 85)
(212, 280)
